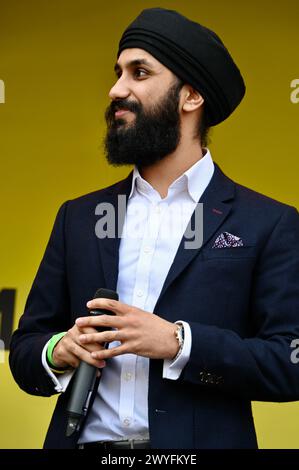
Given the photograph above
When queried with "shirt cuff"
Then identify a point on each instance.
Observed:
(172, 368)
(64, 379)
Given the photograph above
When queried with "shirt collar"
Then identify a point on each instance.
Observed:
(194, 180)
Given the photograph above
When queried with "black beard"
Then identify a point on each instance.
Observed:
(152, 136)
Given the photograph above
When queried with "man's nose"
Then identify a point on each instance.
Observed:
(119, 90)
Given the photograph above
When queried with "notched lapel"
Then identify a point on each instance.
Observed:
(217, 203)
(109, 247)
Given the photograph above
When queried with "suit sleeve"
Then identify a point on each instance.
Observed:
(258, 367)
(45, 314)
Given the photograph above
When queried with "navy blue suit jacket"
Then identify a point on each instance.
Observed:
(242, 305)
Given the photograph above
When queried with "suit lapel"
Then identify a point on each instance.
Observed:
(216, 207)
(109, 247)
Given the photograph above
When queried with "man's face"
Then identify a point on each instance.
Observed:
(143, 119)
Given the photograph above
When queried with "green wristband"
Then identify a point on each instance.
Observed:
(52, 343)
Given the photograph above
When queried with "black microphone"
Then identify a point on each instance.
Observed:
(85, 376)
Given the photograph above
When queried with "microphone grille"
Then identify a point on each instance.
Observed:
(105, 294)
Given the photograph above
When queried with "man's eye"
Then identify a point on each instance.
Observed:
(140, 73)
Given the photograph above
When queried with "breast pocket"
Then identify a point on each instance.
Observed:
(240, 252)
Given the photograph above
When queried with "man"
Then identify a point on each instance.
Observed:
(199, 330)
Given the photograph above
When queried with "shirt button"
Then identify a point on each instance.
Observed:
(128, 376)
(126, 422)
(147, 249)
(157, 209)
(140, 293)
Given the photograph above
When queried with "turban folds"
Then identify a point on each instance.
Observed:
(193, 53)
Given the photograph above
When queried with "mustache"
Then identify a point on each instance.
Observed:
(124, 104)
(116, 105)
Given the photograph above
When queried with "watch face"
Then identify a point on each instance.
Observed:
(180, 334)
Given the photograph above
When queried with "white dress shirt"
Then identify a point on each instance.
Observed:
(152, 232)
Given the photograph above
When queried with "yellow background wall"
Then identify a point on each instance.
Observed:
(56, 60)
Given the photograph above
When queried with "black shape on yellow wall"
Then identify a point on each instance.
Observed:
(7, 306)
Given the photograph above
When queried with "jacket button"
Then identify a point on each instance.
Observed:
(202, 377)
(209, 378)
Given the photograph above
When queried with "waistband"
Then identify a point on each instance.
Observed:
(109, 445)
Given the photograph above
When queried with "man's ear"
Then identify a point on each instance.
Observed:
(192, 99)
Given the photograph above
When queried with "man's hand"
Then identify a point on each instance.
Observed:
(69, 351)
(139, 332)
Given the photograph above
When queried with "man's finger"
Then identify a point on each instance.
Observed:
(103, 337)
(109, 321)
(85, 355)
(72, 353)
(108, 353)
(119, 308)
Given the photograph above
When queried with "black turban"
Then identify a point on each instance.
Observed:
(193, 53)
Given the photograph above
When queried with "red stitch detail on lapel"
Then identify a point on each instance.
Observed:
(217, 211)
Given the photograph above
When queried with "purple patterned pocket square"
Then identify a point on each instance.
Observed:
(227, 240)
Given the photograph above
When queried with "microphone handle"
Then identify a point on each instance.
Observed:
(80, 397)
(79, 400)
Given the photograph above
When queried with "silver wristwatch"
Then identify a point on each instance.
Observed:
(179, 334)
